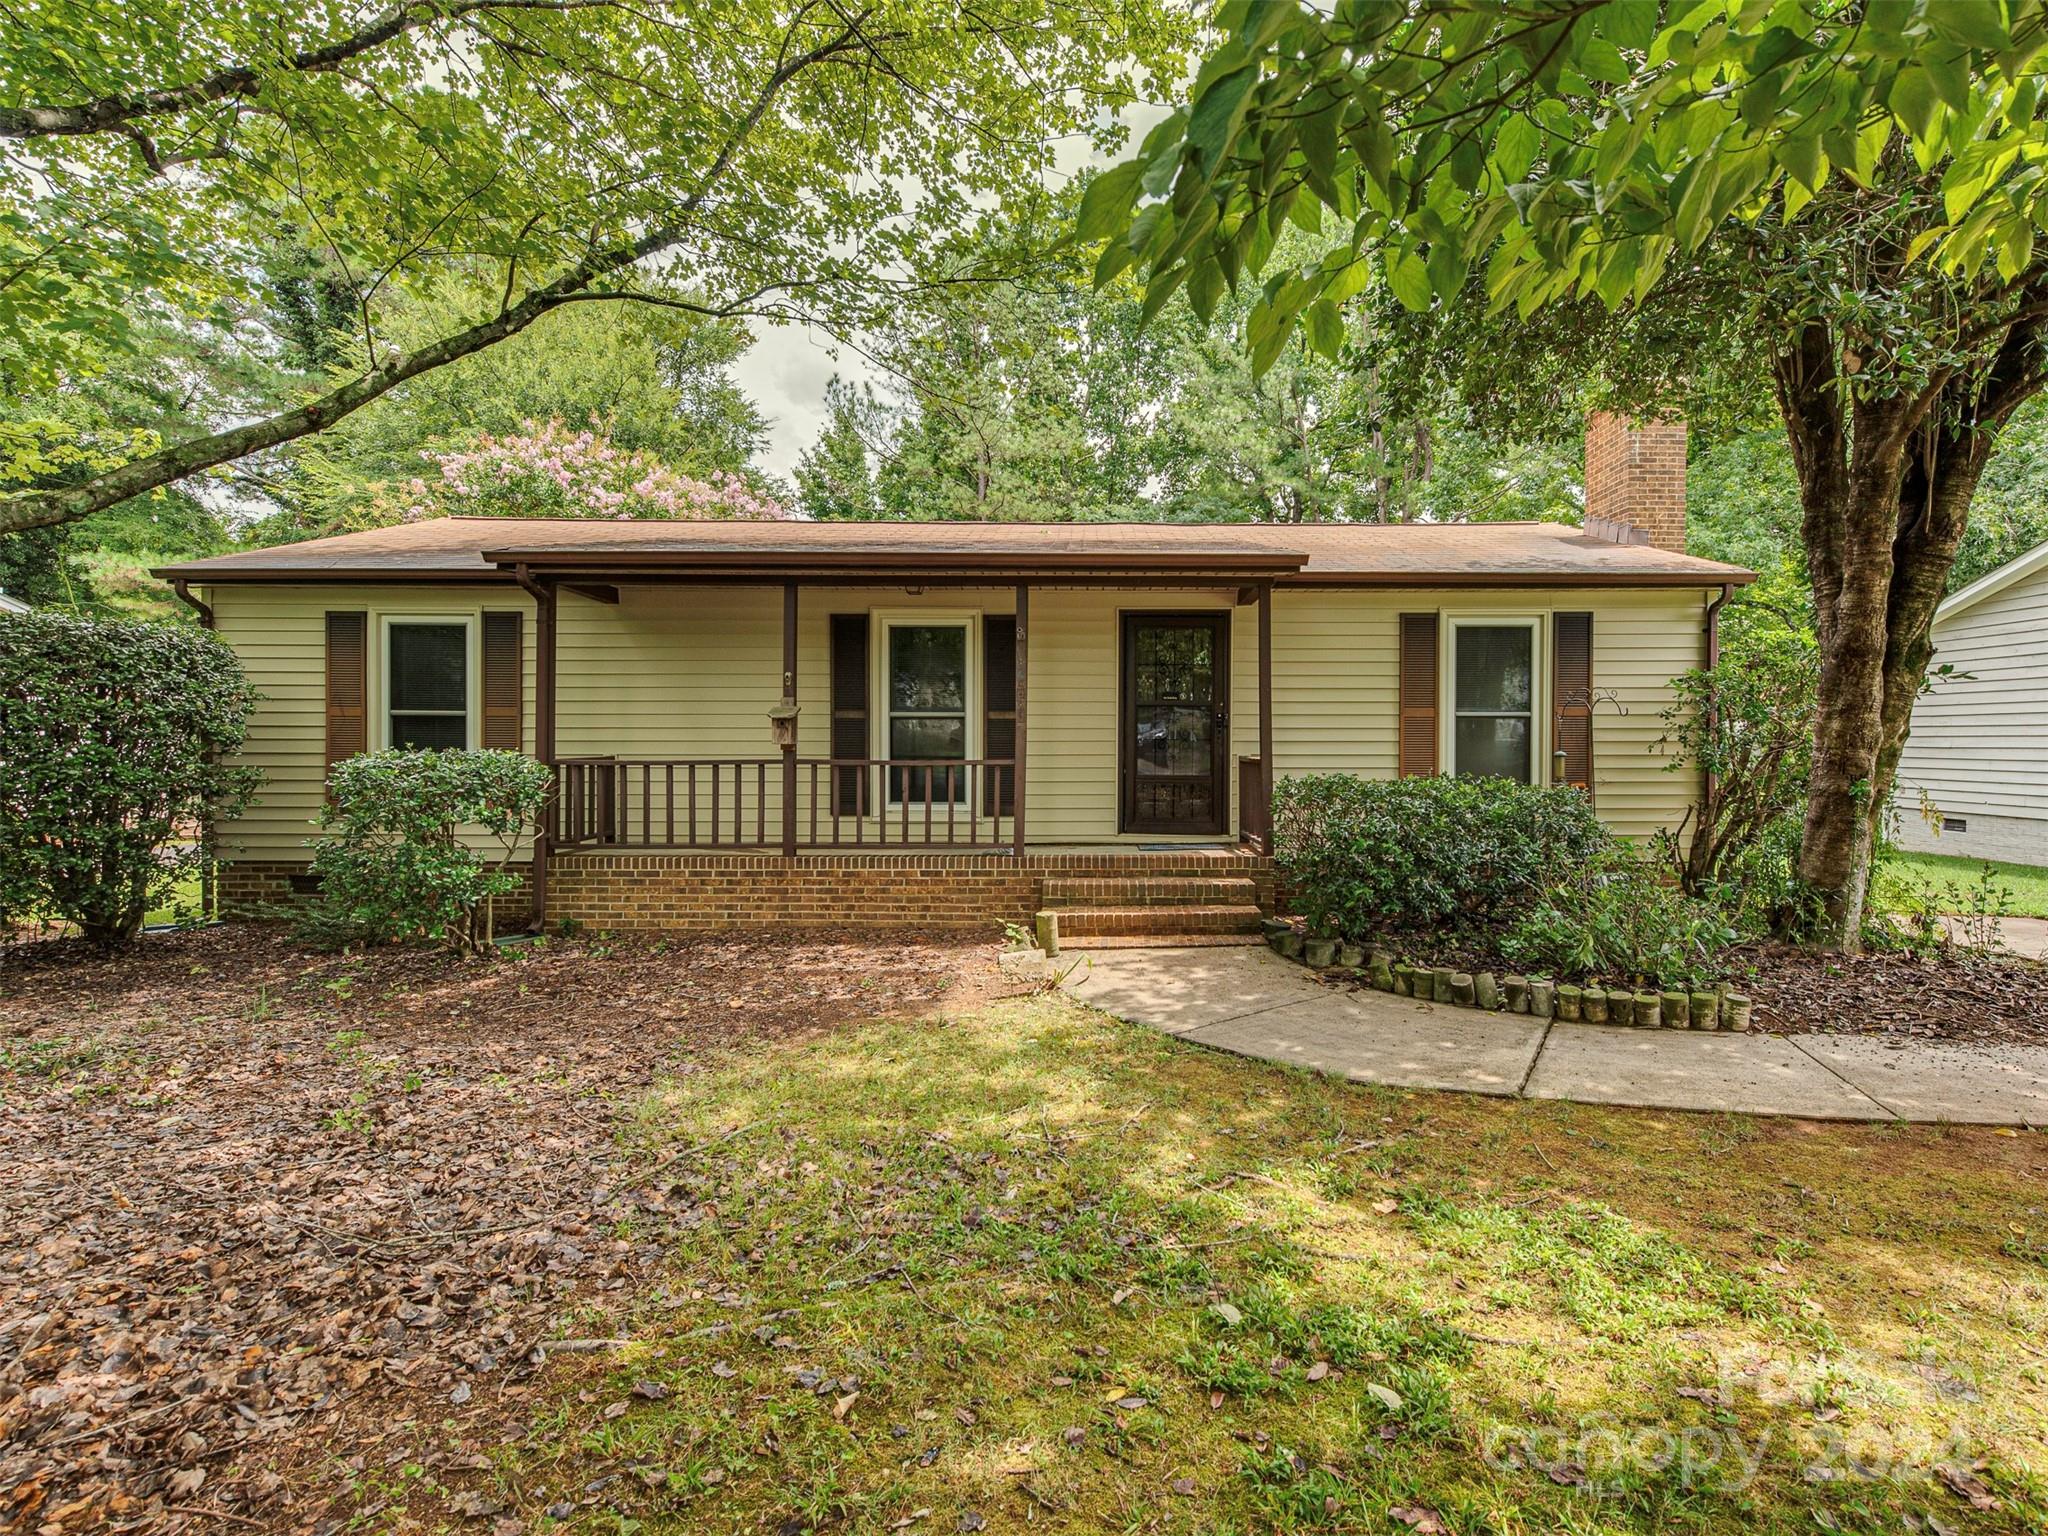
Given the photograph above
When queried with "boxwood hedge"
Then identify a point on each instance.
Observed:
(1357, 854)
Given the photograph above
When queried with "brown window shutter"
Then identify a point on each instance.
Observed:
(1418, 754)
(999, 707)
(850, 711)
(1571, 653)
(504, 679)
(348, 685)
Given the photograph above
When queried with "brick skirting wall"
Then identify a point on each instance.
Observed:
(705, 892)
(247, 886)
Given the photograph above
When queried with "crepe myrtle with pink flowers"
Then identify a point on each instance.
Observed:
(548, 470)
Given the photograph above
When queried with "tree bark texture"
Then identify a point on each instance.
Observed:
(1885, 485)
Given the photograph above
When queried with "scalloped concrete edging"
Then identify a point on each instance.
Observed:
(1250, 1002)
(1539, 996)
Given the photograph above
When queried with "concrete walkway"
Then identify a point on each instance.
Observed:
(2024, 936)
(1250, 1001)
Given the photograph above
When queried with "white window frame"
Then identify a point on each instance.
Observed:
(881, 621)
(1539, 685)
(472, 650)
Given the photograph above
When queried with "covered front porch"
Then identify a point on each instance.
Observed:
(906, 720)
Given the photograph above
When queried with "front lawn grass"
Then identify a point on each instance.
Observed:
(1903, 877)
(1032, 1268)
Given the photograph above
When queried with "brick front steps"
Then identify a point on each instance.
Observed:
(1151, 910)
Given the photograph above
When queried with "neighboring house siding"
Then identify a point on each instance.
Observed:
(1979, 747)
(683, 672)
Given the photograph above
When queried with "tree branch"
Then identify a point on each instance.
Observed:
(47, 508)
(113, 114)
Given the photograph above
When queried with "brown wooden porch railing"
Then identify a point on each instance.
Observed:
(585, 804)
(1254, 811)
(736, 803)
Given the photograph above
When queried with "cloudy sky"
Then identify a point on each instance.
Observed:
(787, 368)
(785, 371)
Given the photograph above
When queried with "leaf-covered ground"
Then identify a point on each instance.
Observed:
(262, 1207)
(847, 1251)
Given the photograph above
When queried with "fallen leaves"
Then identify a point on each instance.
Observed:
(1953, 996)
(277, 1192)
(1419, 1518)
(1965, 1484)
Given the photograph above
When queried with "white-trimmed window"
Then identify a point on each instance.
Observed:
(429, 682)
(1494, 683)
(928, 685)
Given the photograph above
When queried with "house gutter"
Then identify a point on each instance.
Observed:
(1713, 628)
(1714, 625)
(183, 588)
(543, 720)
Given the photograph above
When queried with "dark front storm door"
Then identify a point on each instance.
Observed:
(1175, 687)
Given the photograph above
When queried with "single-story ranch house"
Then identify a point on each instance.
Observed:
(870, 723)
(1973, 779)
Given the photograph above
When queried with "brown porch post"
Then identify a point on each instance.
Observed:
(789, 697)
(1265, 821)
(1023, 676)
(543, 594)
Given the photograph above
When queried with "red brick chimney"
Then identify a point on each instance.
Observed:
(1635, 479)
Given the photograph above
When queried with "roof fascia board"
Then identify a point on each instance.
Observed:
(1994, 582)
(961, 563)
(1206, 577)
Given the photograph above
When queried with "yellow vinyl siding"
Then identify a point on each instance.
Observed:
(1336, 682)
(690, 672)
(280, 634)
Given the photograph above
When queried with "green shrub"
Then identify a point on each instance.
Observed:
(112, 740)
(1617, 916)
(1746, 727)
(398, 860)
(1357, 853)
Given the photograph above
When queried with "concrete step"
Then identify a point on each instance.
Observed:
(1062, 891)
(1168, 941)
(1080, 924)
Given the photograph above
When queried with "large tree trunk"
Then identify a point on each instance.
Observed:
(1885, 486)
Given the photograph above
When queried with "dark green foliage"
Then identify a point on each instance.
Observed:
(114, 738)
(1618, 917)
(35, 566)
(417, 843)
(1359, 853)
(1748, 725)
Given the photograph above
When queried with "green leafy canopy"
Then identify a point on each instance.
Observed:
(726, 157)
(1566, 148)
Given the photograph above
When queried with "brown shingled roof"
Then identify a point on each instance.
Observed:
(485, 549)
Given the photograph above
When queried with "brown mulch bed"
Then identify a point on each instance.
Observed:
(264, 1208)
(1955, 995)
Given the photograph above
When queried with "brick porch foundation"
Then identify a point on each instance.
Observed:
(706, 892)
(247, 886)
